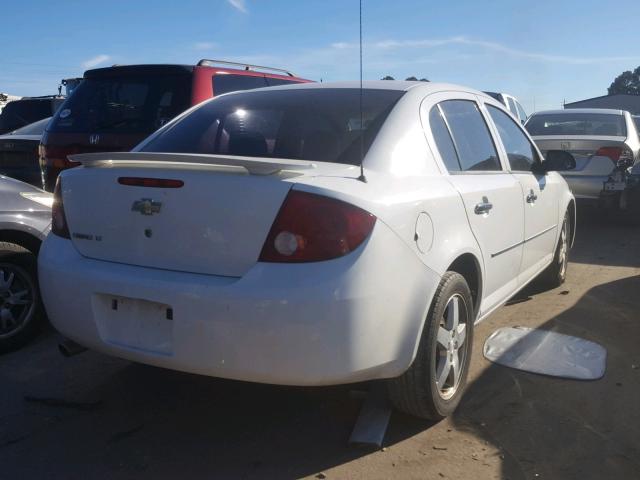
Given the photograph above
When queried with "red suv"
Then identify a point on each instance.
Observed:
(114, 108)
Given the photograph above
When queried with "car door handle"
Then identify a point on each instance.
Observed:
(483, 207)
(532, 197)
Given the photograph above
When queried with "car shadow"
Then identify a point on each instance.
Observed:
(557, 428)
(107, 418)
(617, 243)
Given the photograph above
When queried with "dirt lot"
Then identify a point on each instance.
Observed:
(96, 417)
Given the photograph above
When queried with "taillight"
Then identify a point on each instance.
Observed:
(56, 157)
(53, 160)
(612, 152)
(618, 155)
(58, 218)
(312, 228)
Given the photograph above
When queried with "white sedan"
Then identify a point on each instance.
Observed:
(315, 234)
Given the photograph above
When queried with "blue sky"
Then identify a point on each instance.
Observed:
(543, 52)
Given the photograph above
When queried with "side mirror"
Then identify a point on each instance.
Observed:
(558, 161)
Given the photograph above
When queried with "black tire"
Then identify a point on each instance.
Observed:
(19, 322)
(556, 273)
(417, 391)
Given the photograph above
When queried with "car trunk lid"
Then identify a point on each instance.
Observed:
(584, 150)
(213, 220)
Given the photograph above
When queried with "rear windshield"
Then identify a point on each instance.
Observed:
(23, 112)
(231, 82)
(305, 124)
(123, 104)
(36, 128)
(637, 121)
(605, 124)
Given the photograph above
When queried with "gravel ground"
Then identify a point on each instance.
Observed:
(92, 416)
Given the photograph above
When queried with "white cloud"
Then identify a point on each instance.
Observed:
(204, 45)
(238, 5)
(95, 61)
(483, 45)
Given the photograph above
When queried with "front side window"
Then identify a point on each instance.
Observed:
(475, 148)
(320, 124)
(521, 113)
(520, 152)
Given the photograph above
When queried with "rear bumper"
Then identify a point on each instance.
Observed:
(586, 187)
(346, 320)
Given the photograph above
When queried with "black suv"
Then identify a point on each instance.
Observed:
(28, 110)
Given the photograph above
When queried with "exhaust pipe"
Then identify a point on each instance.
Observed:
(69, 348)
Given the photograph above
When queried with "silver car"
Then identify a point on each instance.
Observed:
(512, 104)
(604, 143)
(25, 219)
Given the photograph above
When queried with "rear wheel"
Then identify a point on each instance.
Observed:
(433, 386)
(556, 273)
(21, 311)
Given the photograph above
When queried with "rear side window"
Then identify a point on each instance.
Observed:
(305, 124)
(230, 83)
(443, 140)
(475, 148)
(605, 124)
(273, 82)
(520, 152)
(123, 104)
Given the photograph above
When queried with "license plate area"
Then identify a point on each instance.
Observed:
(614, 186)
(134, 323)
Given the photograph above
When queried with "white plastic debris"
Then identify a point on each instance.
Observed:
(546, 353)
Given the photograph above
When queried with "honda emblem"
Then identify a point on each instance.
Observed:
(94, 139)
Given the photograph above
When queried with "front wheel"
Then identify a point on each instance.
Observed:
(21, 311)
(556, 273)
(432, 387)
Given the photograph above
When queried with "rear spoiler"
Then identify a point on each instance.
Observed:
(253, 165)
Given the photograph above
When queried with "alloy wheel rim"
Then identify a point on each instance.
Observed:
(16, 299)
(562, 260)
(451, 347)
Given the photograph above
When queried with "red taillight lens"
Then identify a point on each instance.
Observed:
(612, 152)
(312, 228)
(58, 218)
(56, 157)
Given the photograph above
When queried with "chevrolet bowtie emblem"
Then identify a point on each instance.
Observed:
(146, 206)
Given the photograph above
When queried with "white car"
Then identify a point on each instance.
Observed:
(243, 240)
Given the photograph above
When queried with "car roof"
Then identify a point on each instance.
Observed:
(171, 68)
(401, 85)
(568, 111)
